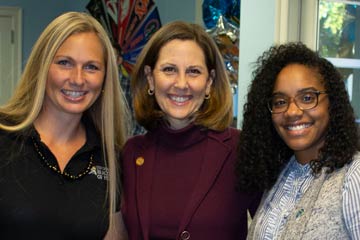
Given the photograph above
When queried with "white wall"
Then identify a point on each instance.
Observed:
(257, 34)
(36, 14)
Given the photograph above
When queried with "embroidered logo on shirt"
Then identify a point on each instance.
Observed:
(299, 213)
(102, 173)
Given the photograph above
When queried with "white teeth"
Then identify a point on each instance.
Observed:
(298, 127)
(179, 99)
(73, 94)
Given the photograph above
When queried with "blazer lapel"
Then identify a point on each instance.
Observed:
(216, 153)
(144, 176)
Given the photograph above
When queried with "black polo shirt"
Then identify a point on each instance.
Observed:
(37, 202)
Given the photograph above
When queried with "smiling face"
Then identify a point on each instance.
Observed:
(302, 130)
(180, 80)
(76, 75)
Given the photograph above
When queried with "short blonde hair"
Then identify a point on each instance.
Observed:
(108, 113)
(216, 112)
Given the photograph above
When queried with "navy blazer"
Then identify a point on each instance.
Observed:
(214, 198)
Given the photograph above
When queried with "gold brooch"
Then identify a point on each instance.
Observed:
(140, 161)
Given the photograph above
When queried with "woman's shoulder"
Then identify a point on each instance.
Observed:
(234, 131)
(356, 157)
(354, 166)
(230, 132)
(137, 141)
(352, 175)
(229, 136)
(4, 133)
(9, 136)
(11, 141)
(227, 132)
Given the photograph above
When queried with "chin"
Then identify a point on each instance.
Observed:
(75, 111)
(297, 146)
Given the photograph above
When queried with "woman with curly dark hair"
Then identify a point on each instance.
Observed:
(299, 144)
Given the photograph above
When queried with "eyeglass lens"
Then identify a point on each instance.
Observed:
(304, 101)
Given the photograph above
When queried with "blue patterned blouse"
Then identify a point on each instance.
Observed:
(290, 187)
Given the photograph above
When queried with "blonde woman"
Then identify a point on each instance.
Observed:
(60, 135)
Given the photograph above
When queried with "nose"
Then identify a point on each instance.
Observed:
(293, 109)
(181, 81)
(77, 76)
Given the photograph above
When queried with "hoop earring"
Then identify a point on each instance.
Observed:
(207, 96)
(150, 92)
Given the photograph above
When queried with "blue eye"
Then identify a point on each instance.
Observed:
(63, 62)
(91, 67)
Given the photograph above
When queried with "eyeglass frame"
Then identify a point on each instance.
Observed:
(317, 93)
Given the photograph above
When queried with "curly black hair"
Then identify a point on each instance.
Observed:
(262, 154)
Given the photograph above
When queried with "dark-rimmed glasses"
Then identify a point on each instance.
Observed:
(304, 101)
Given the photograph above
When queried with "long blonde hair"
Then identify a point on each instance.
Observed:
(109, 113)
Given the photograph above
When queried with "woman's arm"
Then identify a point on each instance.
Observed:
(351, 199)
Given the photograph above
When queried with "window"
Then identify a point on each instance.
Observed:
(337, 38)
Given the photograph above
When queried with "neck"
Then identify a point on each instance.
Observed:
(176, 124)
(304, 157)
(64, 130)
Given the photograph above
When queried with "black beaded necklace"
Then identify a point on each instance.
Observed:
(57, 170)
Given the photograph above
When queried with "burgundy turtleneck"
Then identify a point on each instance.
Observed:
(179, 157)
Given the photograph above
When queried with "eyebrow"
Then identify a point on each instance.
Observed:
(165, 64)
(303, 90)
(72, 59)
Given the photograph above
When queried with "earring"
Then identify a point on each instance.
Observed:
(150, 92)
(207, 96)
